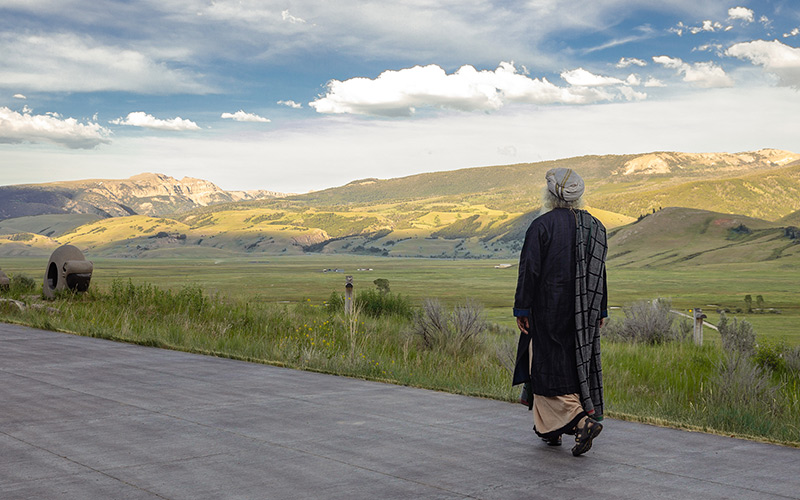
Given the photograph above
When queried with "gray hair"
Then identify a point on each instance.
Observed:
(551, 201)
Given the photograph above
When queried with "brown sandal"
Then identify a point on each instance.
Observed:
(584, 436)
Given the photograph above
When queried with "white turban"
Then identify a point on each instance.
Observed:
(564, 183)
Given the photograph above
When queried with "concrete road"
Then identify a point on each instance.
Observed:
(84, 418)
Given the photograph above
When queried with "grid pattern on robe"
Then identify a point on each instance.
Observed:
(590, 256)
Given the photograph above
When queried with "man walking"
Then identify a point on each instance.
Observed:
(560, 306)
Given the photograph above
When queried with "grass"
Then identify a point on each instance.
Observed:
(672, 383)
(295, 279)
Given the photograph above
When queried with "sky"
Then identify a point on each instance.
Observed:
(300, 95)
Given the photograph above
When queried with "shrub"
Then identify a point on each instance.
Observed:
(769, 357)
(741, 391)
(461, 332)
(373, 303)
(737, 336)
(649, 322)
(506, 353)
(22, 284)
(791, 359)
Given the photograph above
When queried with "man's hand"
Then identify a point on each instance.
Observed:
(602, 323)
(522, 324)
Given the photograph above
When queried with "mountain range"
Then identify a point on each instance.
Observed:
(144, 194)
(705, 206)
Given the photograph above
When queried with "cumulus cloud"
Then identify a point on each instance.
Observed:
(775, 57)
(291, 104)
(583, 78)
(701, 74)
(78, 63)
(22, 127)
(633, 80)
(654, 82)
(794, 32)
(399, 93)
(142, 119)
(632, 95)
(624, 62)
(741, 14)
(241, 116)
(19, 96)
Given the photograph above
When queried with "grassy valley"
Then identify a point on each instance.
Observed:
(467, 213)
(251, 279)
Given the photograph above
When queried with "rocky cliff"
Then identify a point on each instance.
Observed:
(145, 194)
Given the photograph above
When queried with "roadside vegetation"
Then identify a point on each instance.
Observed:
(652, 371)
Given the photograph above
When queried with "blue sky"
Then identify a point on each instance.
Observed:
(300, 95)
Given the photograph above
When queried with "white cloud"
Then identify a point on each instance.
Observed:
(794, 32)
(78, 63)
(241, 116)
(632, 95)
(706, 26)
(19, 96)
(741, 13)
(22, 127)
(678, 30)
(291, 104)
(633, 80)
(292, 19)
(581, 77)
(776, 57)
(654, 82)
(399, 93)
(336, 150)
(141, 119)
(624, 62)
(701, 74)
(710, 47)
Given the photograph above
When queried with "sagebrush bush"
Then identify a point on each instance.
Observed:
(791, 359)
(460, 332)
(24, 284)
(737, 336)
(21, 285)
(506, 354)
(649, 322)
(374, 303)
(741, 391)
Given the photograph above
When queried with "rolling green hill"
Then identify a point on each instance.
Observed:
(470, 213)
(52, 225)
(685, 236)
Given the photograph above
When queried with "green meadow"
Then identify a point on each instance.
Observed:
(270, 310)
(295, 279)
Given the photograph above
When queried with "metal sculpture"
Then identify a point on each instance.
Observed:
(68, 269)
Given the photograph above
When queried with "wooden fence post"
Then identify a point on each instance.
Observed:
(698, 315)
(348, 295)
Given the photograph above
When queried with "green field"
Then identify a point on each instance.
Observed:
(301, 278)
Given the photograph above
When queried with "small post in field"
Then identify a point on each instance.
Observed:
(698, 315)
(348, 295)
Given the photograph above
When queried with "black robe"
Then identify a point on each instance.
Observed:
(546, 294)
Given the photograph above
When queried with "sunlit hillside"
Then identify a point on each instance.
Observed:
(468, 213)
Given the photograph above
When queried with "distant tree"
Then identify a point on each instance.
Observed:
(382, 284)
(749, 301)
(760, 301)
